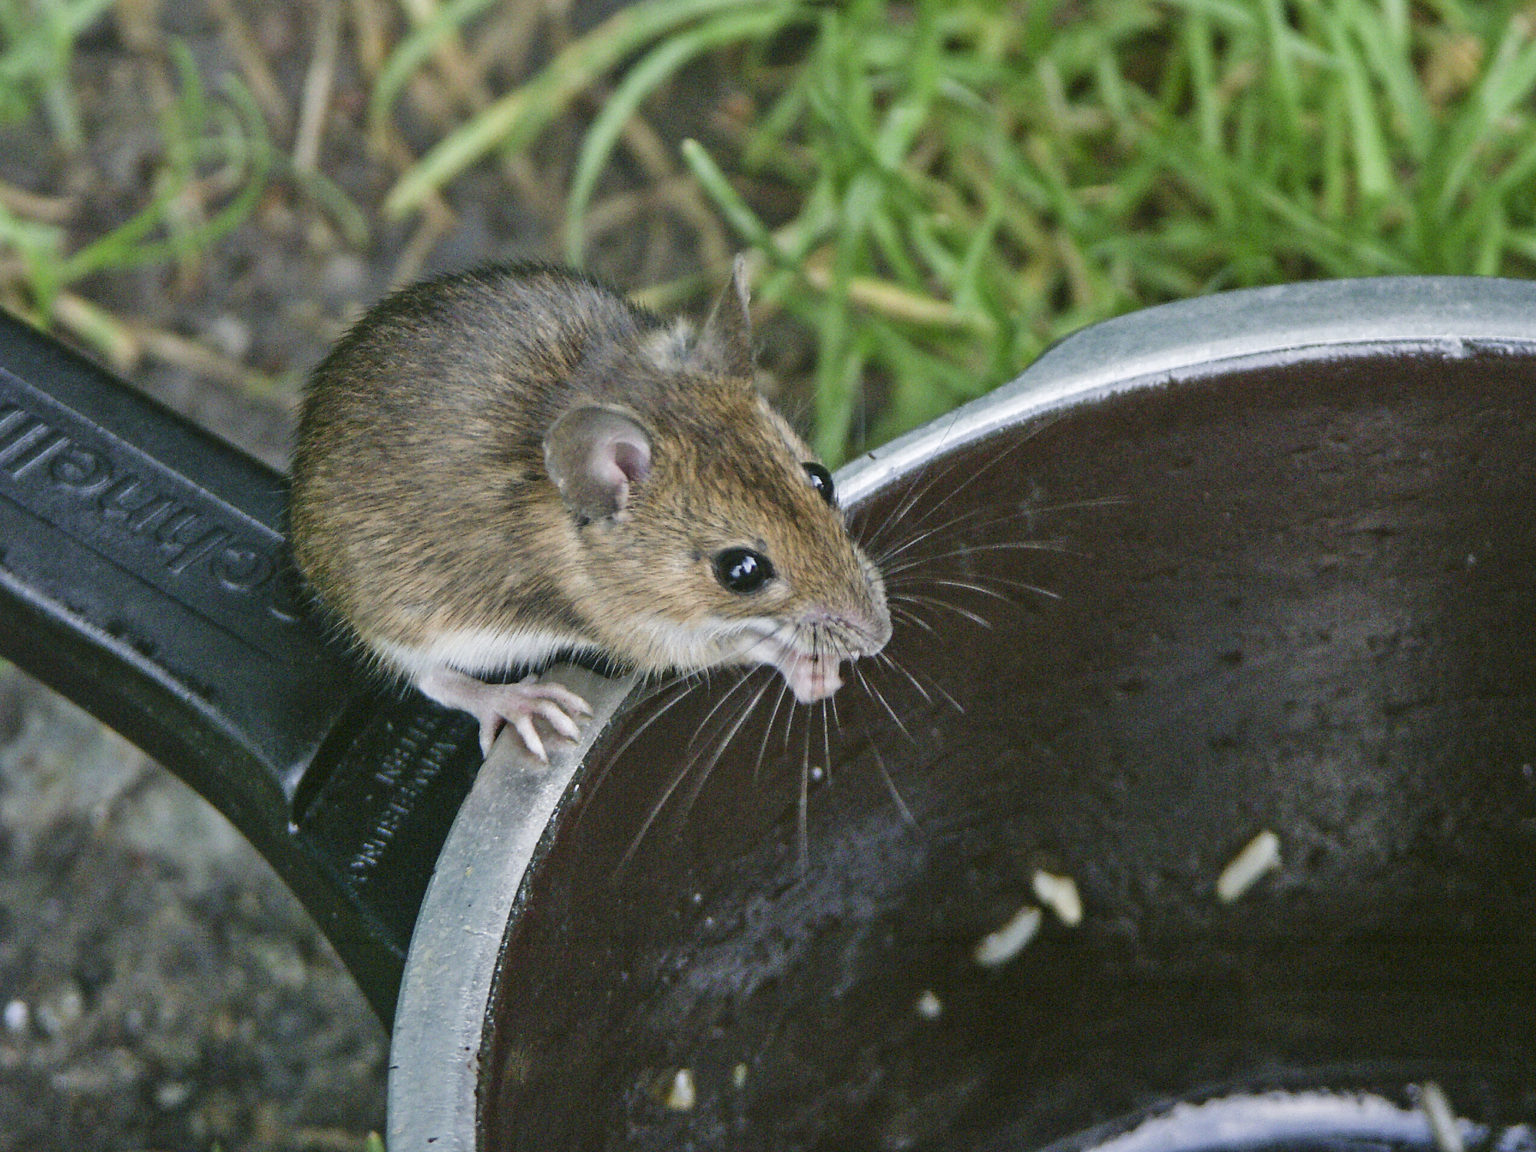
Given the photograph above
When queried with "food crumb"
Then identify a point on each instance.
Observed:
(1442, 1120)
(1008, 941)
(18, 1016)
(682, 1096)
(1259, 855)
(1059, 894)
(929, 1006)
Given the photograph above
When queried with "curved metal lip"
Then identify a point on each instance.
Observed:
(451, 966)
(1449, 313)
(1244, 1121)
(470, 901)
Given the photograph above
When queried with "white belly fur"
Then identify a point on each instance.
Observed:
(474, 651)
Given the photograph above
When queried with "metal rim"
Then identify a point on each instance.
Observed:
(496, 836)
(456, 946)
(1449, 313)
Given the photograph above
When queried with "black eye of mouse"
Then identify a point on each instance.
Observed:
(821, 480)
(742, 570)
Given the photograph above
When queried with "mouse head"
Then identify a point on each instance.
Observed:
(708, 530)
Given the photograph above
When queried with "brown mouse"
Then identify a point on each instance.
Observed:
(512, 462)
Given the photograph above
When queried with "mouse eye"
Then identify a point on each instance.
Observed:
(821, 480)
(742, 570)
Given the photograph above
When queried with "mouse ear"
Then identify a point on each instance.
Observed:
(725, 343)
(593, 455)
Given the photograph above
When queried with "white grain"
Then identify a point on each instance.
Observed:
(1259, 855)
(1008, 941)
(682, 1096)
(1059, 894)
(1442, 1120)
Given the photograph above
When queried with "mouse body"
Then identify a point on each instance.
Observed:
(504, 464)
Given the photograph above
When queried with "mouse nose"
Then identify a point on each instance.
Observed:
(861, 630)
(872, 619)
(877, 629)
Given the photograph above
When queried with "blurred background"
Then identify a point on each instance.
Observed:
(203, 194)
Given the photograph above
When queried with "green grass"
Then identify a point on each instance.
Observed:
(936, 189)
(200, 135)
(38, 44)
(970, 180)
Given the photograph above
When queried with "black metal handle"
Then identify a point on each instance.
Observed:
(144, 575)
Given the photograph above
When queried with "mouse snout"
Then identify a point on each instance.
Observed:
(812, 678)
(876, 628)
(861, 631)
(834, 637)
(809, 655)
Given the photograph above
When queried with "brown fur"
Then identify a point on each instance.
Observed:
(421, 503)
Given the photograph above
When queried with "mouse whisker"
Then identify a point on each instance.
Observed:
(899, 612)
(742, 677)
(874, 690)
(826, 741)
(947, 527)
(702, 777)
(966, 550)
(977, 474)
(938, 602)
(650, 817)
(789, 726)
(689, 682)
(1054, 546)
(909, 546)
(968, 586)
(945, 693)
(918, 486)
(977, 523)
(890, 786)
(917, 684)
(1076, 505)
(974, 586)
(762, 748)
(802, 813)
(885, 659)
(997, 458)
(980, 578)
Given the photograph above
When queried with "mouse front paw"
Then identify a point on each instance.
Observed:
(516, 704)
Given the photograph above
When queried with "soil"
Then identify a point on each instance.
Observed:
(159, 987)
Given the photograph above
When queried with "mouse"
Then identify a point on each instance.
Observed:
(511, 463)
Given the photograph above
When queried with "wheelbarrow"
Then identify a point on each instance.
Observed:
(1255, 569)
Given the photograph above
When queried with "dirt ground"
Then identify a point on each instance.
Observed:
(159, 988)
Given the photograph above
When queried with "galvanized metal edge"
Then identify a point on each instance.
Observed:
(1453, 312)
(434, 1053)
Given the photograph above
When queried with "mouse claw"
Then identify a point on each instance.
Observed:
(488, 732)
(558, 720)
(524, 727)
(496, 705)
(561, 699)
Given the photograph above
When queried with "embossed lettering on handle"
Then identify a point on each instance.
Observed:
(134, 512)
